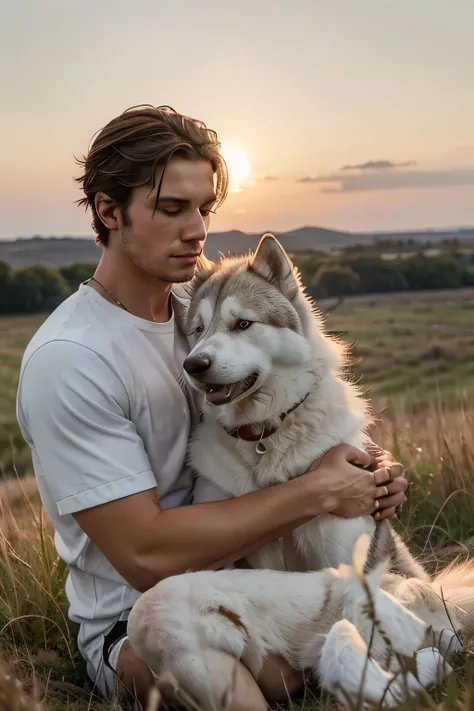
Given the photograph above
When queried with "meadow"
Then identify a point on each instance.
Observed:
(414, 356)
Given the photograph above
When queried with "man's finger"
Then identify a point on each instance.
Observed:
(385, 454)
(384, 462)
(386, 513)
(381, 492)
(386, 502)
(381, 476)
(368, 444)
(357, 456)
(396, 469)
(399, 484)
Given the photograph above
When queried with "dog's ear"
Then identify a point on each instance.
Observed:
(271, 262)
(204, 269)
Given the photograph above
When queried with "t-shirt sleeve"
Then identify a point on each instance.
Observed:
(74, 411)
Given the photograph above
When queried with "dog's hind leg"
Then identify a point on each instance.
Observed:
(163, 635)
(193, 653)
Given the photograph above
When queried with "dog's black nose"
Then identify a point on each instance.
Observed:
(197, 364)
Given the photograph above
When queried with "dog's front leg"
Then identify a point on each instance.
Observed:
(348, 671)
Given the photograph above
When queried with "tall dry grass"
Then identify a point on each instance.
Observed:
(436, 444)
(38, 641)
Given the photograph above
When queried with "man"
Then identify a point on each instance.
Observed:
(102, 405)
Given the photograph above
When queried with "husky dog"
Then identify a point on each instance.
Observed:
(272, 400)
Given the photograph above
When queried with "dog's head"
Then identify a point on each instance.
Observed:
(251, 328)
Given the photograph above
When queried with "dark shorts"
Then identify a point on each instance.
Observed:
(116, 635)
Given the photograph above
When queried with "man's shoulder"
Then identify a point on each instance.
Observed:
(79, 324)
(71, 328)
(63, 367)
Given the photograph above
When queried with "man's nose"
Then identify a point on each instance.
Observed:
(196, 230)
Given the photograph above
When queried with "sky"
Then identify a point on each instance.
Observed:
(353, 114)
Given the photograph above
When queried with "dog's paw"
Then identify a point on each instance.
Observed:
(449, 643)
(431, 667)
(346, 670)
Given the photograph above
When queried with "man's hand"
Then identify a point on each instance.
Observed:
(395, 482)
(344, 484)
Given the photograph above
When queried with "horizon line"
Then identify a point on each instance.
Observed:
(418, 230)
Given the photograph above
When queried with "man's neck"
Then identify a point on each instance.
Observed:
(140, 294)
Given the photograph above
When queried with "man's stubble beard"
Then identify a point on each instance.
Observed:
(167, 278)
(127, 239)
(182, 279)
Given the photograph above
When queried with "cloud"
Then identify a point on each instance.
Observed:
(379, 165)
(270, 178)
(397, 180)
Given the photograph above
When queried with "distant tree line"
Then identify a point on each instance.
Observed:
(40, 288)
(387, 244)
(326, 276)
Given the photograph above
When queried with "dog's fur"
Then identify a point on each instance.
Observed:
(287, 346)
(320, 622)
(286, 360)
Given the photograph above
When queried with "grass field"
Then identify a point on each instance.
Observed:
(416, 353)
(412, 344)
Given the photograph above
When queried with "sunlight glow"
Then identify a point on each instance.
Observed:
(238, 165)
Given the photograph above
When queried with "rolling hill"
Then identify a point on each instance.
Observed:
(56, 251)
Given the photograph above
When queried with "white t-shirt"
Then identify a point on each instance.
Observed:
(102, 404)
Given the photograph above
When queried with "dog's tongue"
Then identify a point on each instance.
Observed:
(220, 395)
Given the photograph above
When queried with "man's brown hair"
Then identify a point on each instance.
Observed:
(128, 150)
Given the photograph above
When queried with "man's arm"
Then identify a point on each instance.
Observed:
(146, 544)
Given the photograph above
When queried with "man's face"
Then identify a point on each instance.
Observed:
(165, 242)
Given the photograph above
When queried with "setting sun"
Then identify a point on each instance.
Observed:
(238, 165)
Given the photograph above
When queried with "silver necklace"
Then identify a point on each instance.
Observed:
(119, 303)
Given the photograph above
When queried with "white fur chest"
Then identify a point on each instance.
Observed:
(234, 467)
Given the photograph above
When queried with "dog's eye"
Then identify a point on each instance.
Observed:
(198, 330)
(243, 324)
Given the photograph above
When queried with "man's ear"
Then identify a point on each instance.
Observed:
(108, 210)
(272, 263)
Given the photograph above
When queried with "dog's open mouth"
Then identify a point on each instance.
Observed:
(223, 394)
